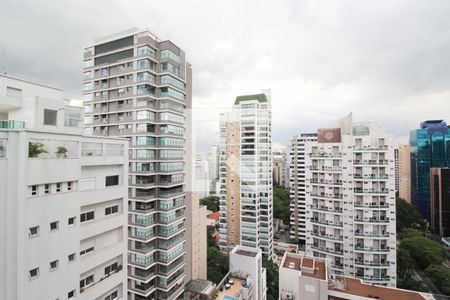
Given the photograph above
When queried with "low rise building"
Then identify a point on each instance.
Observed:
(304, 277)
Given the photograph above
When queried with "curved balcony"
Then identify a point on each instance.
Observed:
(327, 223)
(370, 162)
(327, 236)
(371, 263)
(327, 209)
(328, 250)
(325, 182)
(325, 169)
(371, 220)
(370, 191)
(370, 205)
(372, 234)
(371, 249)
(326, 196)
(325, 155)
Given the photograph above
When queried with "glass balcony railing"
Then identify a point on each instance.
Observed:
(12, 124)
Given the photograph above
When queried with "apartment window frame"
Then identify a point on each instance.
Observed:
(87, 251)
(69, 186)
(30, 232)
(71, 257)
(86, 216)
(34, 190)
(113, 296)
(111, 268)
(84, 282)
(50, 117)
(58, 187)
(111, 210)
(46, 188)
(52, 226)
(54, 265)
(71, 294)
(71, 221)
(33, 273)
(115, 180)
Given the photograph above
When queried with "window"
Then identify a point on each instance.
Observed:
(50, 117)
(54, 265)
(112, 180)
(86, 281)
(69, 186)
(111, 268)
(47, 189)
(86, 251)
(71, 257)
(58, 187)
(71, 221)
(54, 225)
(34, 273)
(114, 295)
(87, 216)
(33, 231)
(111, 210)
(71, 294)
(34, 190)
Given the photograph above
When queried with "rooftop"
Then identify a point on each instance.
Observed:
(259, 97)
(214, 216)
(309, 266)
(246, 253)
(358, 288)
(233, 291)
(200, 286)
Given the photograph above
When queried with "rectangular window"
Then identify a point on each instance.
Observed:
(86, 251)
(69, 186)
(58, 187)
(34, 273)
(71, 294)
(111, 268)
(71, 257)
(111, 210)
(54, 225)
(47, 189)
(50, 117)
(71, 221)
(112, 180)
(87, 216)
(86, 281)
(114, 295)
(34, 190)
(33, 231)
(54, 265)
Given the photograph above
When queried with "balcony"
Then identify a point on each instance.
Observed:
(360, 262)
(326, 168)
(328, 250)
(325, 208)
(370, 191)
(370, 162)
(362, 177)
(361, 248)
(326, 222)
(11, 124)
(325, 155)
(325, 182)
(371, 220)
(326, 196)
(373, 279)
(370, 148)
(371, 205)
(327, 236)
(372, 234)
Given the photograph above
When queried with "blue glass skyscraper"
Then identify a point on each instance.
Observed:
(430, 147)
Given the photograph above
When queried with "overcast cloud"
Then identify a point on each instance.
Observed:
(385, 61)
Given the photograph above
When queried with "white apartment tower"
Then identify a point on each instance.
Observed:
(350, 200)
(139, 87)
(245, 167)
(63, 200)
(297, 183)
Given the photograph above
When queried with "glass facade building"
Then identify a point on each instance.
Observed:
(430, 147)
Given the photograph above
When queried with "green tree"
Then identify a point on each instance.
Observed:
(272, 279)
(212, 203)
(423, 250)
(440, 276)
(217, 266)
(281, 204)
(408, 216)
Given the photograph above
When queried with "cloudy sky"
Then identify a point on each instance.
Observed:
(385, 61)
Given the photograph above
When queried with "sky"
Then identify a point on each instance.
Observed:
(386, 61)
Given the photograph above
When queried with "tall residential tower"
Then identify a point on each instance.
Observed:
(350, 200)
(139, 87)
(245, 166)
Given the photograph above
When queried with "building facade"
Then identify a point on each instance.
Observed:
(58, 184)
(404, 170)
(245, 167)
(430, 148)
(140, 87)
(202, 180)
(350, 200)
(305, 277)
(297, 181)
(440, 201)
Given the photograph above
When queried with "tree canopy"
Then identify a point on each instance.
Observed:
(281, 204)
(211, 202)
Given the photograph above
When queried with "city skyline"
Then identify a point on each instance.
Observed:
(390, 69)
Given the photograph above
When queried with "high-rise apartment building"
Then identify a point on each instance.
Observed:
(350, 200)
(64, 200)
(214, 170)
(397, 170)
(139, 87)
(440, 201)
(202, 181)
(430, 148)
(404, 173)
(297, 170)
(245, 167)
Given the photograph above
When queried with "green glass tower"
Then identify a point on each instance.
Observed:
(430, 147)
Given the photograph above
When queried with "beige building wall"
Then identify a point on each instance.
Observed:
(404, 159)
(233, 184)
(199, 242)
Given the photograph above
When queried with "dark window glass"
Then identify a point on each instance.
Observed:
(50, 116)
(112, 180)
